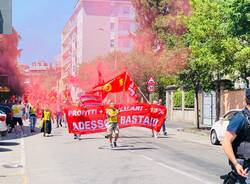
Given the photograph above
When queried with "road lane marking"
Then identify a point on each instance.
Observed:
(177, 170)
(148, 158)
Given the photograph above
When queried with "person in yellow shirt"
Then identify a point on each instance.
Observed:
(112, 124)
(17, 115)
(47, 118)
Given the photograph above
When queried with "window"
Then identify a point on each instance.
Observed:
(112, 43)
(126, 10)
(124, 26)
(112, 26)
(229, 115)
(124, 43)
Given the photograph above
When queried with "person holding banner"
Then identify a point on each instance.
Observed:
(155, 102)
(112, 125)
(164, 124)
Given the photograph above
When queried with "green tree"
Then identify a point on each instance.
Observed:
(212, 47)
(240, 28)
(195, 77)
(162, 82)
(189, 99)
(177, 99)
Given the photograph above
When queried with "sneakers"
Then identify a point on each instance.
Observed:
(115, 145)
(76, 136)
(111, 146)
(165, 133)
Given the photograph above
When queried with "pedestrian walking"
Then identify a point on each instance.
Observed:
(236, 145)
(112, 124)
(17, 115)
(27, 107)
(47, 120)
(32, 118)
(59, 117)
(164, 123)
(77, 136)
(153, 133)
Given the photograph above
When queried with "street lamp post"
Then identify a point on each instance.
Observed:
(115, 49)
(116, 56)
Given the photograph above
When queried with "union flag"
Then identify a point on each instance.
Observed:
(122, 82)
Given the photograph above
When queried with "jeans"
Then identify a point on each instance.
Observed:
(58, 121)
(164, 126)
(32, 122)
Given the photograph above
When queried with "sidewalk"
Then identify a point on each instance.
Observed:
(189, 128)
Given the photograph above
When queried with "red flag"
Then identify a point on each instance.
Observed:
(122, 82)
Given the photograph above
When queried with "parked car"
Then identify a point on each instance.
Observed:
(3, 125)
(219, 127)
(7, 110)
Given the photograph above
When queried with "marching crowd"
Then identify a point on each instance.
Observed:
(36, 115)
(41, 116)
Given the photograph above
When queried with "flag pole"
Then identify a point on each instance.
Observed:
(143, 95)
(124, 85)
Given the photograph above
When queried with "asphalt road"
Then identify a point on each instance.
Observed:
(140, 159)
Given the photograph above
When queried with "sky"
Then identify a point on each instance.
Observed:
(40, 24)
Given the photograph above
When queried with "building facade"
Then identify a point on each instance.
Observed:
(6, 17)
(96, 28)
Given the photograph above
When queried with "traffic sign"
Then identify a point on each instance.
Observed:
(151, 81)
(151, 88)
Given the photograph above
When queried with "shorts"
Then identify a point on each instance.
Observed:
(112, 128)
(17, 120)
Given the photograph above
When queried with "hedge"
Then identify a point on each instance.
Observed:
(177, 100)
(189, 99)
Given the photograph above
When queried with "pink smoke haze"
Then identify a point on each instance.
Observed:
(9, 54)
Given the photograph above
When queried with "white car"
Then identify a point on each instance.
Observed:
(3, 125)
(219, 127)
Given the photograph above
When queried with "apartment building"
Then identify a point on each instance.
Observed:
(96, 28)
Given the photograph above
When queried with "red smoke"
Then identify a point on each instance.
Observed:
(8, 61)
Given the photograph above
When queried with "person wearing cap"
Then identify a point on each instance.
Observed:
(236, 145)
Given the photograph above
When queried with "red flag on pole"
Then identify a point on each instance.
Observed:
(122, 82)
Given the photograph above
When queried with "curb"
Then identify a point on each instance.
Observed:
(194, 131)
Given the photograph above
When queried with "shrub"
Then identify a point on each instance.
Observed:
(177, 99)
(189, 99)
